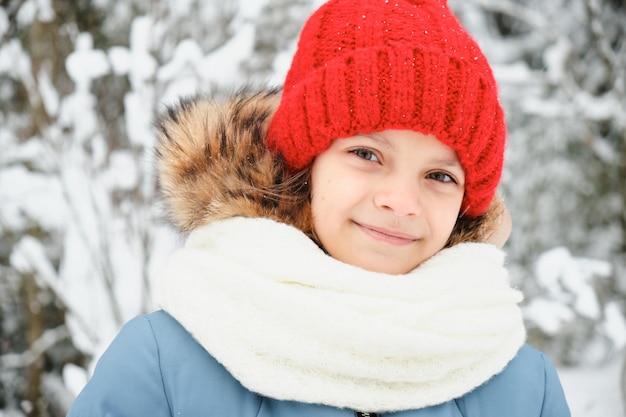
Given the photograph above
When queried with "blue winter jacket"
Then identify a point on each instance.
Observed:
(154, 368)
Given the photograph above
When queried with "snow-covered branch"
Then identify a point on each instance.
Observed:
(25, 359)
(532, 18)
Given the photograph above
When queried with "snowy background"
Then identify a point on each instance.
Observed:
(81, 232)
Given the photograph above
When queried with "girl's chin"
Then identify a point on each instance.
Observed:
(384, 266)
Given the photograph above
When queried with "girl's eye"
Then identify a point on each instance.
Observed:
(441, 177)
(365, 154)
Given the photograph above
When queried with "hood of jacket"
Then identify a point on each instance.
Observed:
(213, 163)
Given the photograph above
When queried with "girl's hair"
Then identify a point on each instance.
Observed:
(295, 207)
(477, 229)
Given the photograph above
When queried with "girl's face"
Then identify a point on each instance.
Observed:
(386, 201)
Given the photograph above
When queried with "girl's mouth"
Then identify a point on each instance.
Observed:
(393, 237)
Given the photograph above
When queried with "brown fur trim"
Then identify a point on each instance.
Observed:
(212, 159)
(482, 228)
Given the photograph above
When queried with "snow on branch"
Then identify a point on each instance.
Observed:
(48, 339)
(533, 19)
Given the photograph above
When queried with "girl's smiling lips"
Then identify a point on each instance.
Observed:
(392, 237)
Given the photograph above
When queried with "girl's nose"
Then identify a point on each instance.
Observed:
(401, 196)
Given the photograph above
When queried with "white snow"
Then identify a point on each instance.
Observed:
(594, 391)
(181, 73)
(13, 60)
(250, 9)
(49, 95)
(45, 11)
(180, 7)
(113, 249)
(27, 13)
(222, 66)
(29, 257)
(138, 117)
(119, 57)
(85, 63)
(4, 22)
(187, 56)
(143, 65)
(75, 115)
(122, 172)
(556, 56)
(615, 324)
(569, 280)
(74, 377)
(550, 316)
(27, 195)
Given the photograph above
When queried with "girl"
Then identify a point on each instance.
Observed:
(334, 264)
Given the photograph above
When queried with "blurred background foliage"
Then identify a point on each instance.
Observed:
(81, 232)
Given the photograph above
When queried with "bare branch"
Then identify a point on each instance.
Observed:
(48, 339)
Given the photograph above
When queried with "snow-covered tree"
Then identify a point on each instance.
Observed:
(562, 71)
(81, 234)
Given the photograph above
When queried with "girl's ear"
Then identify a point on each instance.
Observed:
(501, 224)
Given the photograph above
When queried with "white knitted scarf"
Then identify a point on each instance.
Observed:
(292, 323)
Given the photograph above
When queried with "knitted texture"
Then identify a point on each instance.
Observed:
(309, 328)
(369, 65)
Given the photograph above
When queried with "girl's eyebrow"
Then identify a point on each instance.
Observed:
(379, 138)
(448, 162)
(376, 137)
(382, 140)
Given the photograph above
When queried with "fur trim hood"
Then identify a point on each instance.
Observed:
(213, 164)
(212, 160)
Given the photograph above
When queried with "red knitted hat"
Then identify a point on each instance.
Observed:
(370, 65)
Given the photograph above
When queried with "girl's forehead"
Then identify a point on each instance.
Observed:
(394, 137)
